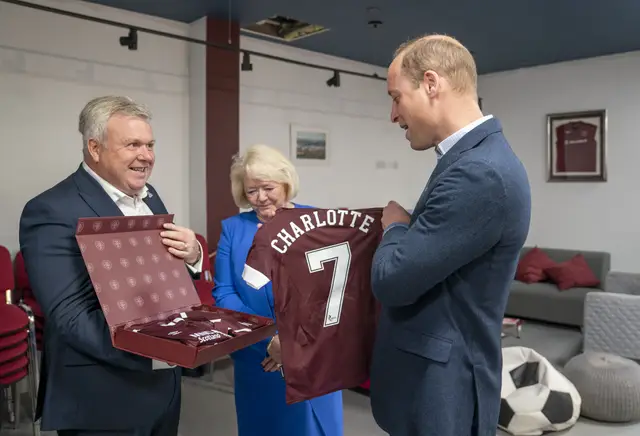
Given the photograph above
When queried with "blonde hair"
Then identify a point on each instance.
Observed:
(444, 55)
(262, 162)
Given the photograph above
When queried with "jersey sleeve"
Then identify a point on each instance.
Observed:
(257, 267)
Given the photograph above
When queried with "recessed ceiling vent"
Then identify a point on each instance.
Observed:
(284, 28)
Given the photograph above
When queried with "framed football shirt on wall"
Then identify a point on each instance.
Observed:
(576, 146)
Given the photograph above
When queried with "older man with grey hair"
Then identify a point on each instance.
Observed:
(87, 386)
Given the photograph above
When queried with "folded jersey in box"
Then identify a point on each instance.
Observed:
(197, 328)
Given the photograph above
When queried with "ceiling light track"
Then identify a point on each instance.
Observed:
(131, 41)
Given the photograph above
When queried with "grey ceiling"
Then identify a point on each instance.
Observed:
(503, 34)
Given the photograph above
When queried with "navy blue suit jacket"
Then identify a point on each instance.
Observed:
(85, 382)
(443, 283)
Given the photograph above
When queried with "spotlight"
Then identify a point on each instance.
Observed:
(246, 62)
(130, 41)
(335, 80)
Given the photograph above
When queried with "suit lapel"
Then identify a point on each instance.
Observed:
(98, 200)
(155, 204)
(93, 194)
(467, 142)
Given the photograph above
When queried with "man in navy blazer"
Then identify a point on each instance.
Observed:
(442, 274)
(87, 386)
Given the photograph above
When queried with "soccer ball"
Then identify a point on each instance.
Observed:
(536, 397)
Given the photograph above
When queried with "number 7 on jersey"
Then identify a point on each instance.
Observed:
(341, 255)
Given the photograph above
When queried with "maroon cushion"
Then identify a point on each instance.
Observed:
(12, 319)
(531, 267)
(14, 377)
(10, 354)
(14, 339)
(13, 366)
(573, 273)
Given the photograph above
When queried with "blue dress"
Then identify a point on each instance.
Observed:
(260, 396)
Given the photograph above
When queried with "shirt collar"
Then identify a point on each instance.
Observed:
(452, 140)
(114, 193)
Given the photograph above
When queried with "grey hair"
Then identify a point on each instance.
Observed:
(95, 115)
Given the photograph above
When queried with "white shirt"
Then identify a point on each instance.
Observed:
(135, 206)
(448, 143)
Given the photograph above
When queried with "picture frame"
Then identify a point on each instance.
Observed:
(577, 146)
(309, 145)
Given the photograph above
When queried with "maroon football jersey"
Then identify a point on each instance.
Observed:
(319, 262)
(219, 322)
(576, 148)
(194, 333)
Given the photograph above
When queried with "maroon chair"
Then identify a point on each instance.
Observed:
(14, 355)
(207, 269)
(7, 282)
(14, 324)
(23, 288)
(17, 345)
(204, 285)
(22, 283)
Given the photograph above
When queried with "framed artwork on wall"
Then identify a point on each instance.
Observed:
(309, 145)
(577, 146)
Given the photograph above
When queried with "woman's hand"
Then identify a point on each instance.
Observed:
(273, 361)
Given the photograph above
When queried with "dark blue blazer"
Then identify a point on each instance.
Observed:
(443, 284)
(85, 382)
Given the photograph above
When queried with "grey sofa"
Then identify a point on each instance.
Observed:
(544, 302)
(553, 319)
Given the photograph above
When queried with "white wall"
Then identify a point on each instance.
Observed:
(595, 216)
(47, 76)
(355, 115)
(50, 66)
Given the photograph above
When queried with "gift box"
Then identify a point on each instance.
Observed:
(138, 281)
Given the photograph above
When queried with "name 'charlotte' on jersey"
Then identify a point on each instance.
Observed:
(319, 261)
(331, 218)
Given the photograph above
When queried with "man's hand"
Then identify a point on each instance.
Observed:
(181, 242)
(274, 361)
(394, 213)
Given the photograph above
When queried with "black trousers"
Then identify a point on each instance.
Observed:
(167, 425)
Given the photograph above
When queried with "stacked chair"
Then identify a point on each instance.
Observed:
(25, 294)
(204, 285)
(18, 354)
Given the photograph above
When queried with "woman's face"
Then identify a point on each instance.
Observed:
(265, 196)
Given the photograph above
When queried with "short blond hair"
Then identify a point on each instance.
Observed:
(262, 162)
(444, 55)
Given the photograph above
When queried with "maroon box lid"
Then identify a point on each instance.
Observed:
(134, 276)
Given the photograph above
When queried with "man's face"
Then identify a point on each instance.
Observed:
(413, 108)
(127, 158)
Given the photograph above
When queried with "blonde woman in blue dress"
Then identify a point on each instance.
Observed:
(263, 180)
